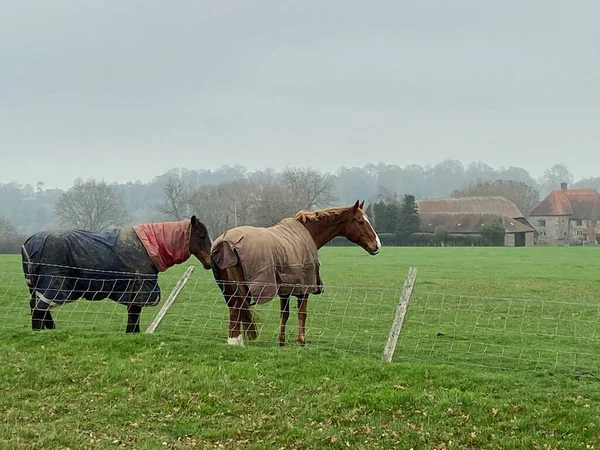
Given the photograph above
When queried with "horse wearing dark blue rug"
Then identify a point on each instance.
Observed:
(121, 264)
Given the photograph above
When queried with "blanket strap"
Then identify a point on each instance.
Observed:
(28, 264)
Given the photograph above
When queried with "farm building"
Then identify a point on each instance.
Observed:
(466, 216)
(567, 216)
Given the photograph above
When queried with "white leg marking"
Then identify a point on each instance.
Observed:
(236, 340)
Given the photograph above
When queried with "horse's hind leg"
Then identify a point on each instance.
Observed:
(234, 303)
(133, 318)
(302, 304)
(235, 322)
(284, 314)
(236, 295)
(40, 314)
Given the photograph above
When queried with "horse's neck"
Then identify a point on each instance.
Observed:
(324, 229)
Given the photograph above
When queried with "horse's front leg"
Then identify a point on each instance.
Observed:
(284, 314)
(235, 321)
(302, 304)
(133, 318)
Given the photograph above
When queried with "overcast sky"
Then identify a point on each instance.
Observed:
(124, 90)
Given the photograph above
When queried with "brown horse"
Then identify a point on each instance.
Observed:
(121, 264)
(260, 263)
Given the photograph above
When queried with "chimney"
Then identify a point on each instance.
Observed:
(563, 186)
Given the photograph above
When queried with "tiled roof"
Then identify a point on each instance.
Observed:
(468, 222)
(577, 203)
(498, 205)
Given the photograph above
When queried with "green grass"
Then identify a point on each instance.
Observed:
(498, 350)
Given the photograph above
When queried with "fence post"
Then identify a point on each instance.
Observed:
(174, 293)
(390, 346)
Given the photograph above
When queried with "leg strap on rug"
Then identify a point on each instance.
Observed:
(50, 303)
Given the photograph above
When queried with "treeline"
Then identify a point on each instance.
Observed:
(232, 196)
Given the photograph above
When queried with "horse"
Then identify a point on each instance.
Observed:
(121, 264)
(260, 263)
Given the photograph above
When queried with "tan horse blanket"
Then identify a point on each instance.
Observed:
(278, 260)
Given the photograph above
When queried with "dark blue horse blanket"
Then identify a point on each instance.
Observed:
(63, 266)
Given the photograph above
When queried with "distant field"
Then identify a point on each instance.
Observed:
(528, 311)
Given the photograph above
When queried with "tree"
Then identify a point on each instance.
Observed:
(310, 187)
(522, 195)
(7, 229)
(446, 176)
(91, 205)
(355, 183)
(223, 206)
(589, 183)
(271, 200)
(176, 205)
(379, 216)
(554, 176)
(493, 233)
(408, 219)
(386, 216)
(369, 210)
(386, 195)
(10, 240)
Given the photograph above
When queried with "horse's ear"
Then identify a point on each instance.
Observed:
(194, 220)
(355, 207)
(361, 204)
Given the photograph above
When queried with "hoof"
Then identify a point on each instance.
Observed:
(236, 340)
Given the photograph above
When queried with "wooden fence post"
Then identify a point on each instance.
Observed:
(390, 346)
(174, 293)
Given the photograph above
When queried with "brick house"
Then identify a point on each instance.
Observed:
(567, 216)
(466, 216)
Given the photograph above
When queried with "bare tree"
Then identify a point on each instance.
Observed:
(91, 205)
(177, 198)
(223, 206)
(260, 200)
(271, 200)
(312, 188)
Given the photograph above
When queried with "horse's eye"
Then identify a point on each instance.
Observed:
(361, 222)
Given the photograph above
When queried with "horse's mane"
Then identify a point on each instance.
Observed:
(318, 214)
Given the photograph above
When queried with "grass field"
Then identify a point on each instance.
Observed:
(498, 350)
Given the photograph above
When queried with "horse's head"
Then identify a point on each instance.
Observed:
(200, 242)
(358, 229)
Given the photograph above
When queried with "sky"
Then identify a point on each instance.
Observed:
(124, 91)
